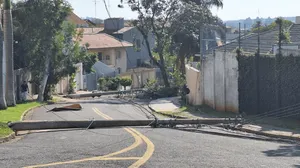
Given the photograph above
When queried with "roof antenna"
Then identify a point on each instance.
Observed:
(95, 1)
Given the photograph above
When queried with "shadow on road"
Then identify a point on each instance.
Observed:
(286, 151)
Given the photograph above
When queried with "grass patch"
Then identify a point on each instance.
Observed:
(197, 111)
(54, 99)
(208, 112)
(173, 114)
(13, 114)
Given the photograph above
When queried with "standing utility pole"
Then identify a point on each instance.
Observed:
(201, 41)
(95, 9)
(95, 1)
(278, 61)
(257, 70)
(240, 36)
(225, 37)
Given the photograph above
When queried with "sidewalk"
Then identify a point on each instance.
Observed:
(171, 107)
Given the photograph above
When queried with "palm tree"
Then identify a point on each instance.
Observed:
(8, 47)
(2, 76)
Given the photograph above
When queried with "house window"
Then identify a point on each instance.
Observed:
(138, 44)
(107, 57)
(119, 55)
(138, 62)
(100, 56)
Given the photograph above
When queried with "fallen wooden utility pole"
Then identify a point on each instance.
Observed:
(42, 125)
(98, 94)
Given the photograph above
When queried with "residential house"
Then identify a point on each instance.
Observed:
(120, 49)
(137, 54)
(110, 51)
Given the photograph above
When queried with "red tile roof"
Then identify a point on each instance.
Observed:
(91, 30)
(102, 40)
(75, 19)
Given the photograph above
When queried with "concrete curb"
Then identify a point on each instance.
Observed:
(7, 138)
(266, 138)
(237, 128)
(12, 135)
(268, 134)
(164, 114)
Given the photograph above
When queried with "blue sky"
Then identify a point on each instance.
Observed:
(233, 9)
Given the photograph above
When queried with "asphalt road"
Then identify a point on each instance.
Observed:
(137, 147)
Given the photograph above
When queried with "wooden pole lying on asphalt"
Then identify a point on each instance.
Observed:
(42, 125)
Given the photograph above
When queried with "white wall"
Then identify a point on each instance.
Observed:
(193, 78)
(122, 62)
(232, 94)
(219, 81)
(63, 85)
(79, 76)
(219, 87)
(208, 84)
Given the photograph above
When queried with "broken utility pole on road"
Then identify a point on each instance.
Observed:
(43, 125)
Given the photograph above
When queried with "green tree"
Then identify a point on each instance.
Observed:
(125, 82)
(154, 17)
(41, 22)
(8, 48)
(157, 16)
(285, 25)
(88, 61)
(66, 53)
(190, 20)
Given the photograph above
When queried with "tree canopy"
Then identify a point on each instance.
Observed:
(258, 26)
(48, 43)
(171, 19)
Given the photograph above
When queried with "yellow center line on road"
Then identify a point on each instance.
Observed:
(121, 158)
(150, 146)
(102, 114)
(147, 155)
(138, 141)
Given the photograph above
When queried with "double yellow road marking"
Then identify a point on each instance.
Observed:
(138, 137)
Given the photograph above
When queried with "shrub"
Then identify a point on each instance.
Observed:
(167, 92)
(109, 83)
(154, 91)
(102, 83)
(151, 84)
(72, 84)
(125, 82)
(113, 83)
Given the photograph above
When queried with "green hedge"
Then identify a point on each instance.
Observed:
(109, 83)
